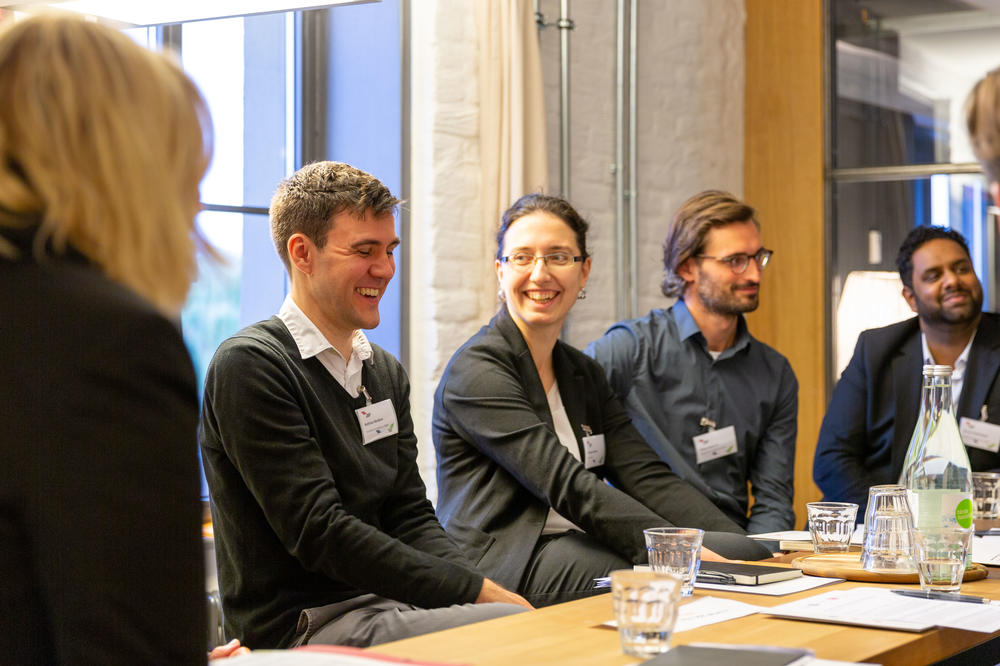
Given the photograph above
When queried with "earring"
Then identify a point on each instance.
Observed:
(500, 295)
(582, 295)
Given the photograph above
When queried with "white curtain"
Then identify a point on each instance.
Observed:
(511, 109)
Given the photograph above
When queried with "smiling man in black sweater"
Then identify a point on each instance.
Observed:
(323, 530)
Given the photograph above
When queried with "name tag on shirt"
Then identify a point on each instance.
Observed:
(377, 421)
(715, 444)
(593, 451)
(979, 434)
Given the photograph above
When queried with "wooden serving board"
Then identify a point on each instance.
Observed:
(848, 565)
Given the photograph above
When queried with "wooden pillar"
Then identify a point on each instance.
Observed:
(783, 180)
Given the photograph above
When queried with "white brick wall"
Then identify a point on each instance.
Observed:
(690, 138)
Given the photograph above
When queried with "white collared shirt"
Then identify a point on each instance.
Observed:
(311, 342)
(957, 372)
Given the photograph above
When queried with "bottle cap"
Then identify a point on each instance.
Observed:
(937, 370)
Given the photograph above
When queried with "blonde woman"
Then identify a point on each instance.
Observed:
(102, 147)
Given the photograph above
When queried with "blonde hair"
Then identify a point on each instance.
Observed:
(104, 143)
(982, 117)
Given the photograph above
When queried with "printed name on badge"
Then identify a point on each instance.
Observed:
(593, 449)
(715, 444)
(377, 421)
(979, 434)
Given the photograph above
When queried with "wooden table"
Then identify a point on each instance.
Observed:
(570, 633)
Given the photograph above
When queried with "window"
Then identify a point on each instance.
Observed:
(900, 157)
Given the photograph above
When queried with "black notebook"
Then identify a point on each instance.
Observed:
(689, 655)
(745, 574)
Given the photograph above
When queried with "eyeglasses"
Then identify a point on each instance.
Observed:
(525, 261)
(739, 262)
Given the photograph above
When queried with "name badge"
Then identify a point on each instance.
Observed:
(979, 434)
(715, 444)
(593, 451)
(377, 421)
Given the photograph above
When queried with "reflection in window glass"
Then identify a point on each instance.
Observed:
(901, 72)
(871, 221)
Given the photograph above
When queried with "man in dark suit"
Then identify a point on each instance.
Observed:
(871, 417)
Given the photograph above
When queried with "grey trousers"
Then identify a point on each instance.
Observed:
(563, 567)
(370, 620)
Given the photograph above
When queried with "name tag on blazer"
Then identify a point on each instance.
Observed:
(593, 451)
(715, 444)
(979, 434)
(377, 421)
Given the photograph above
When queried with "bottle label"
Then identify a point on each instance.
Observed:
(941, 508)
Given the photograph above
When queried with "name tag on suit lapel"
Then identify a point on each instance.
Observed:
(979, 434)
(377, 421)
(593, 451)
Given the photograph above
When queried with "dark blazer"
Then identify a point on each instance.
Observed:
(501, 465)
(870, 420)
(101, 559)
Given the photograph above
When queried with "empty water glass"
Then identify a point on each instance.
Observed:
(986, 489)
(645, 606)
(831, 525)
(886, 545)
(677, 551)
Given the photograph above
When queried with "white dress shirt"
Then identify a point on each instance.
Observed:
(957, 372)
(311, 342)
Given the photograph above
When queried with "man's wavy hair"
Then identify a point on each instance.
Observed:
(691, 224)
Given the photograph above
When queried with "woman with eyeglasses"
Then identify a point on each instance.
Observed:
(542, 478)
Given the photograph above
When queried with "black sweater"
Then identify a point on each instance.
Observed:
(306, 515)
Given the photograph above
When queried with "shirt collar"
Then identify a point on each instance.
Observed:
(688, 327)
(960, 362)
(310, 340)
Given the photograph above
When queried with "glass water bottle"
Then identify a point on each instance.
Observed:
(936, 472)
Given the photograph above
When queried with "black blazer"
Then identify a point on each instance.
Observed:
(501, 465)
(870, 420)
(101, 559)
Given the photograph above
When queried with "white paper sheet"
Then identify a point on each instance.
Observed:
(708, 610)
(986, 550)
(880, 608)
(777, 589)
(857, 538)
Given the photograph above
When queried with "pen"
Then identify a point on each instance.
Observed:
(941, 596)
(716, 577)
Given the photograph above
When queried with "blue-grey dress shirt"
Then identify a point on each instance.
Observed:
(660, 367)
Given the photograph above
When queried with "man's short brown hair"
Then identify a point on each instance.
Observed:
(307, 201)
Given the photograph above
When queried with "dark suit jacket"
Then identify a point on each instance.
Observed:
(501, 465)
(101, 559)
(870, 420)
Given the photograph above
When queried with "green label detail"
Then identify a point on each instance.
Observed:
(963, 513)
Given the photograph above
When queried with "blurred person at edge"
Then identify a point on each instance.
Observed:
(102, 147)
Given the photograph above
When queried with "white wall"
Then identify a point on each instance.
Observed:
(690, 134)
(690, 128)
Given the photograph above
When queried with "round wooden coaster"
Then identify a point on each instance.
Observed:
(848, 566)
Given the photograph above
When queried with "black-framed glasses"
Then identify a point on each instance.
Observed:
(525, 261)
(739, 262)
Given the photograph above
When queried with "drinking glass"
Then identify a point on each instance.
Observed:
(831, 525)
(986, 490)
(886, 546)
(940, 557)
(645, 606)
(675, 550)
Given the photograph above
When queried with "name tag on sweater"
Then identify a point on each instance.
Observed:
(715, 444)
(377, 421)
